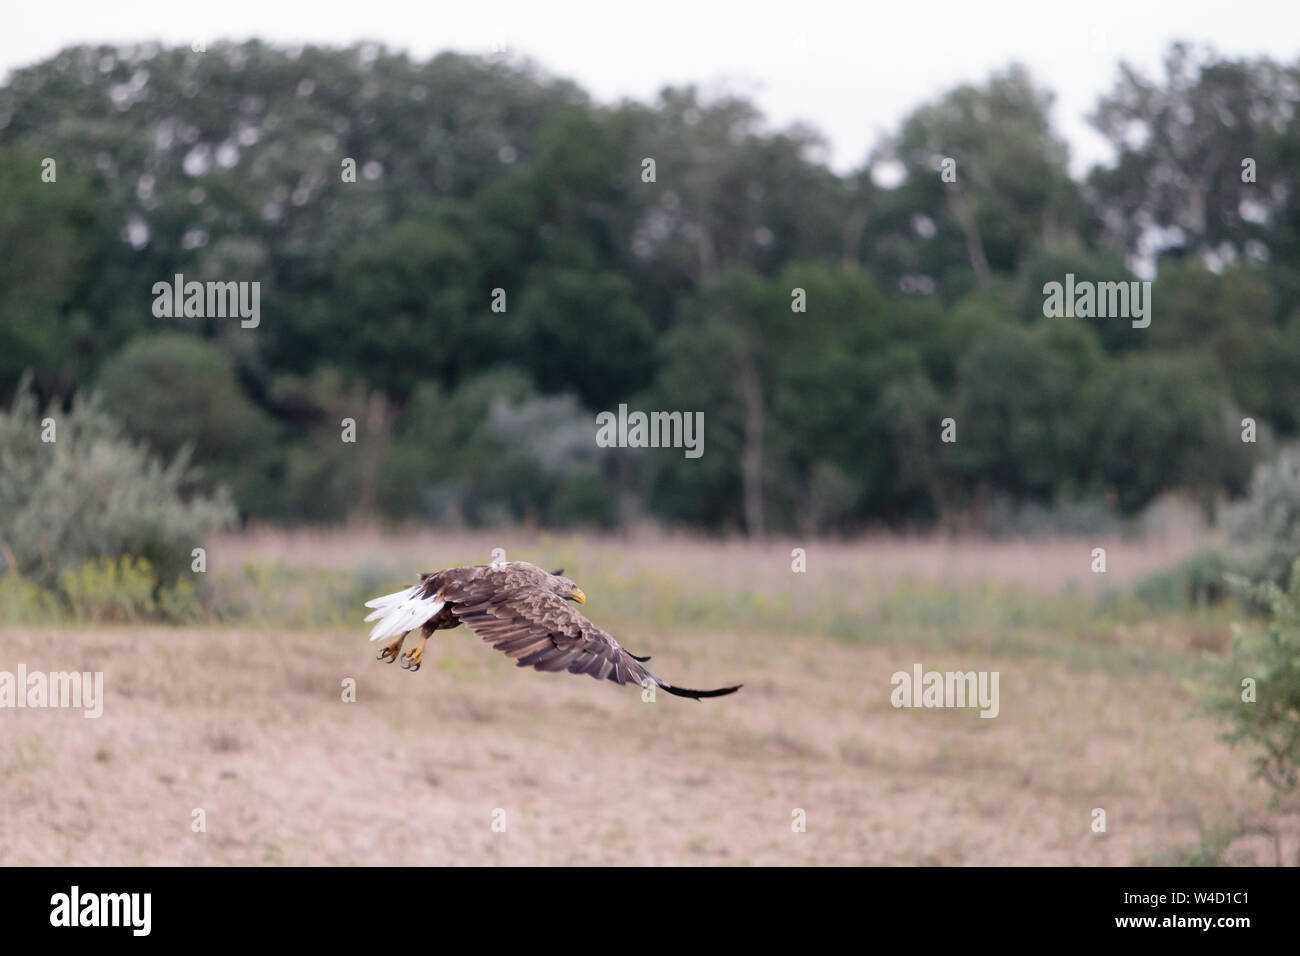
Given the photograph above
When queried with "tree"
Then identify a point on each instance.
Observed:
(1161, 423)
(1009, 193)
(51, 233)
(1177, 183)
(1020, 426)
(178, 391)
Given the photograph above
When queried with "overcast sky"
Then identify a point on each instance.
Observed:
(850, 68)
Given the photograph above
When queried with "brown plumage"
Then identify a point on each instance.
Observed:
(522, 611)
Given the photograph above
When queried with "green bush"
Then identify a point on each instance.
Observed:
(125, 589)
(23, 601)
(1270, 723)
(1160, 423)
(582, 499)
(492, 451)
(174, 390)
(92, 493)
(1197, 581)
(1263, 529)
(104, 589)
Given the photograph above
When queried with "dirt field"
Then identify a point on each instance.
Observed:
(250, 727)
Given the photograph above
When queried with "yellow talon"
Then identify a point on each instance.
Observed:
(390, 651)
(413, 658)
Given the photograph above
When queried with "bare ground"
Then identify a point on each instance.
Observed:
(251, 728)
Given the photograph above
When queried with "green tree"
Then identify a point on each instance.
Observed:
(1162, 423)
(1020, 426)
(176, 391)
(51, 233)
(1010, 193)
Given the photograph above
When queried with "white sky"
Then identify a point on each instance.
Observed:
(851, 69)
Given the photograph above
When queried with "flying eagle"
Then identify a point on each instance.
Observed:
(520, 610)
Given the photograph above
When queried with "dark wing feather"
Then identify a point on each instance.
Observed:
(479, 582)
(541, 630)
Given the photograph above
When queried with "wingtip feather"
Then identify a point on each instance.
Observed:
(699, 694)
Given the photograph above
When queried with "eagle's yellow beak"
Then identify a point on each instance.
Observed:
(579, 596)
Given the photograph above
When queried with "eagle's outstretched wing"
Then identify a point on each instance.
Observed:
(417, 605)
(540, 629)
(478, 582)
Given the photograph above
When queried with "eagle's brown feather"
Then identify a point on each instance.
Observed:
(544, 631)
(523, 611)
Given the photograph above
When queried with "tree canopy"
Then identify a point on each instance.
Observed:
(502, 266)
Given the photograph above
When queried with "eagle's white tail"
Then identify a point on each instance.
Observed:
(401, 611)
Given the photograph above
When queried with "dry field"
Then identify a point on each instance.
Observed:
(248, 724)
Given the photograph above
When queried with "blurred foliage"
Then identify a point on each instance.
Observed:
(1269, 722)
(23, 601)
(126, 590)
(92, 492)
(1195, 582)
(1263, 529)
(174, 390)
(923, 297)
(102, 590)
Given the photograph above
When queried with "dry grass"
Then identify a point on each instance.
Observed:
(1040, 566)
(251, 727)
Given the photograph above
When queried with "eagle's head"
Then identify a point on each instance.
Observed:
(565, 588)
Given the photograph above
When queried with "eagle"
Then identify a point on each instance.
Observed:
(520, 610)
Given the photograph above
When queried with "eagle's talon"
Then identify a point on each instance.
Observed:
(389, 652)
(413, 658)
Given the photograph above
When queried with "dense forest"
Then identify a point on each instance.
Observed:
(470, 258)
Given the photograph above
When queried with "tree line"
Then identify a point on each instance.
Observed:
(824, 324)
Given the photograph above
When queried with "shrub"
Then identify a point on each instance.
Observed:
(582, 499)
(492, 451)
(173, 390)
(1270, 723)
(125, 589)
(94, 493)
(104, 589)
(1263, 529)
(1197, 581)
(1161, 424)
(329, 475)
(22, 601)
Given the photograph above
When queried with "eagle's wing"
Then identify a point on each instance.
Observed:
(478, 582)
(540, 629)
(413, 606)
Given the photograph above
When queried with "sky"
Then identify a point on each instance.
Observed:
(852, 69)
